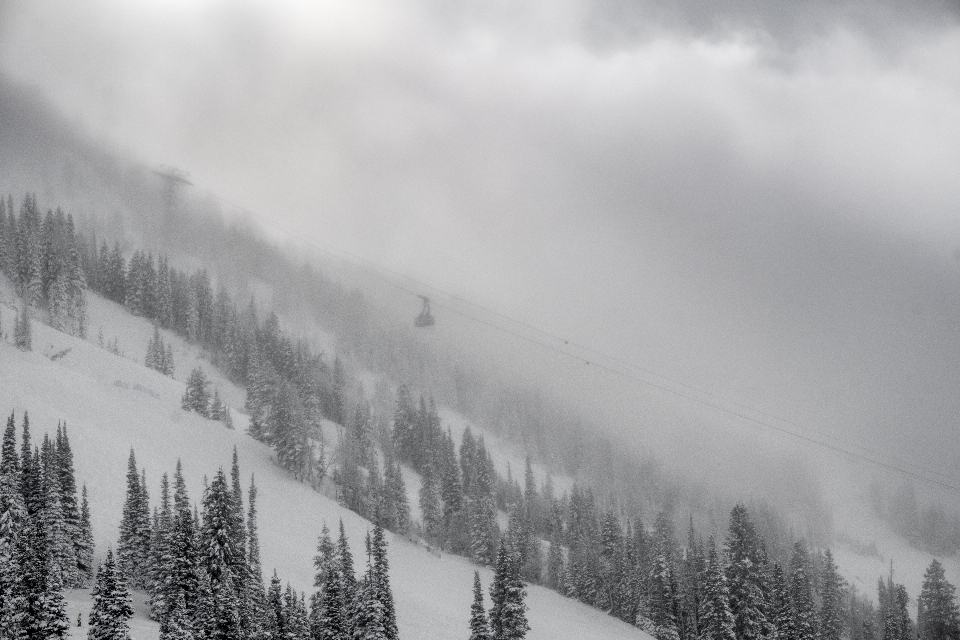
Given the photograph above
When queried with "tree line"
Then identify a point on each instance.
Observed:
(43, 258)
(203, 572)
(46, 544)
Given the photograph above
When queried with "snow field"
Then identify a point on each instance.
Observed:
(113, 403)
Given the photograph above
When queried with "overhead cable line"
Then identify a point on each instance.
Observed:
(843, 447)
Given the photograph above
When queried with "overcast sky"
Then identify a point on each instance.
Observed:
(761, 199)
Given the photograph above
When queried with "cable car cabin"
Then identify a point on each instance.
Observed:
(425, 319)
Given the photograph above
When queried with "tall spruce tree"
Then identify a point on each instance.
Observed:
(479, 627)
(85, 544)
(256, 595)
(832, 596)
(716, 619)
(804, 621)
(133, 548)
(112, 608)
(744, 576)
(221, 556)
(508, 618)
(937, 614)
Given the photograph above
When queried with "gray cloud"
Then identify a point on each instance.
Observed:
(759, 198)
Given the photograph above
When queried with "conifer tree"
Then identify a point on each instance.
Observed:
(177, 625)
(937, 614)
(162, 589)
(804, 623)
(216, 410)
(275, 604)
(479, 629)
(744, 576)
(68, 504)
(12, 519)
(326, 558)
(22, 334)
(221, 556)
(112, 609)
(831, 600)
(483, 525)
(508, 618)
(187, 572)
(781, 609)
(59, 544)
(85, 542)
(38, 595)
(256, 596)
(133, 548)
(196, 398)
(369, 617)
(716, 620)
(431, 510)
(396, 516)
(381, 578)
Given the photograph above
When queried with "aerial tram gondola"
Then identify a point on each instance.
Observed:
(425, 319)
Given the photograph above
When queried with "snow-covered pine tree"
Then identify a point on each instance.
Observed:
(112, 608)
(22, 335)
(275, 605)
(221, 555)
(937, 614)
(483, 525)
(30, 481)
(455, 526)
(60, 548)
(164, 294)
(662, 582)
(744, 576)
(555, 569)
(133, 548)
(12, 516)
(781, 609)
(296, 622)
(902, 625)
(363, 433)
(38, 594)
(185, 548)
(177, 625)
(404, 425)
(832, 596)
(59, 300)
(508, 617)
(77, 308)
(168, 361)
(196, 398)
(716, 619)
(238, 535)
(328, 607)
(85, 543)
(155, 358)
(162, 590)
(431, 507)
(368, 618)
(68, 504)
(396, 516)
(216, 406)
(692, 572)
(348, 580)
(804, 621)
(381, 577)
(256, 596)
(479, 628)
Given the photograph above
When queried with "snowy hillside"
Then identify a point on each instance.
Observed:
(112, 403)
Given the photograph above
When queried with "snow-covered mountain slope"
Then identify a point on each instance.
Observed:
(112, 403)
